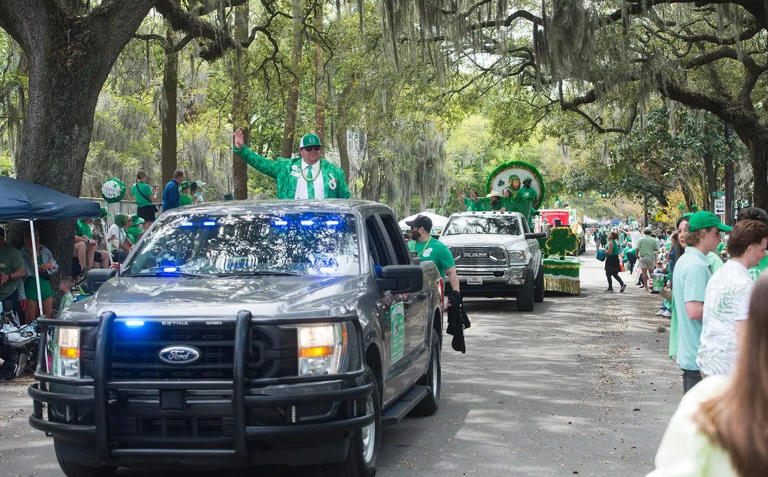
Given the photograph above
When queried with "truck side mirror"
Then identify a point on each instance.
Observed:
(401, 278)
(97, 277)
(535, 236)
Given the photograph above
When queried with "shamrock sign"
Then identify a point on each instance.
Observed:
(113, 190)
(562, 241)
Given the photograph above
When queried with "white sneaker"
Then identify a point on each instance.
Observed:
(666, 313)
(660, 312)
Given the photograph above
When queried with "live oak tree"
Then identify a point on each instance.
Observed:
(70, 48)
(603, 61)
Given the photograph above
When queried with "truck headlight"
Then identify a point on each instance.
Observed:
(517, 255)
(321, 348)
(66, 352)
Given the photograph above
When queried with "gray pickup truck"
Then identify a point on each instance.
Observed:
(242, 334)
(496, 255)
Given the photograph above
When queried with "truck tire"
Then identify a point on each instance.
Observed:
(538, 293)
(525, 295)
(432, 379)
(365, 447)
(74, 469)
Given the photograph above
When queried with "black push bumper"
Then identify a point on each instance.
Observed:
(309, 421)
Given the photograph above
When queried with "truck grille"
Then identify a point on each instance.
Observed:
(479, 256)
(135, 351)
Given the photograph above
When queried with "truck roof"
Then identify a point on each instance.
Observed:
(275, 206)
(487, 213)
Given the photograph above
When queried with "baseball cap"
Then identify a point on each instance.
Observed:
(705, 219)
(527, 179)
(420, 221)
(310, 140)
(136, 220)
(495, 193)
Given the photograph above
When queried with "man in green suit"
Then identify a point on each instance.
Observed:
(305, 177)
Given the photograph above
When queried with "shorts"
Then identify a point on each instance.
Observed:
(147, 213)
(30, 288)
(646, 262)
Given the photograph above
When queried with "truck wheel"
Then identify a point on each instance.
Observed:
(538, 294)
(74, 469)
(433, 379)
(366, 443)
(525, 295)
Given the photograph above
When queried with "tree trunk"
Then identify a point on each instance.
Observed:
(710, 182)
(168, 110)
(292, 102)
(341, 127)
(687, 195)
(319, 79)
(240, 102)
(758, 152)
(69, 59)
(728, 178)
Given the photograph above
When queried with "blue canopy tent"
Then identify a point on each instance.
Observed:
(23, 201)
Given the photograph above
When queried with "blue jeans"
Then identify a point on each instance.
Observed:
(690, 379)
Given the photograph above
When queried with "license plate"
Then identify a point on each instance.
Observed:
(474, 280)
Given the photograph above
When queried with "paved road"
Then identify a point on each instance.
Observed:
(581, 386)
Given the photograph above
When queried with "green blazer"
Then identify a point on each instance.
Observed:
(286, 173)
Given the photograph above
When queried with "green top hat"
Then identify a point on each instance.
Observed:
(310, 140)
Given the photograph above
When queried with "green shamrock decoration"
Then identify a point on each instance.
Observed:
(562, 241)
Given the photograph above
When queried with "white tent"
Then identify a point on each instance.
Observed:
(438, 221)
(590, 220)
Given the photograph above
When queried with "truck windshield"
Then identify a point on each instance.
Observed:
(306, 244)
(468, 224)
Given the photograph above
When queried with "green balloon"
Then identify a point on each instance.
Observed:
(113, 190)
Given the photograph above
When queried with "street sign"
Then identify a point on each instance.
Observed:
(718, 194)
(720, 206)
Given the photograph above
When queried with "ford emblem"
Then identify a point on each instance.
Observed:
(179, 354)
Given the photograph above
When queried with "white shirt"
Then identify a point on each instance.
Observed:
(115, 236)
(301, 184)
(725, 302)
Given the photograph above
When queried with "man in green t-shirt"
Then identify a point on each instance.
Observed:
(135, 230)
(185, 198)
(144, 196)
(11, 272)
(430, 249)
(87, 249)
(646, 256)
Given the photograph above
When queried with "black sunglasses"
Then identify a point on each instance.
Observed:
(311, 148)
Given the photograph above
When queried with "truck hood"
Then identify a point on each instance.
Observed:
(269, 296)
(484, 240)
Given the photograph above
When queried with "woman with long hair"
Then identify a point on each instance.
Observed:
(719, 429)
(612, 267)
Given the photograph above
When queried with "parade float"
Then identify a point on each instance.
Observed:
(522, 189)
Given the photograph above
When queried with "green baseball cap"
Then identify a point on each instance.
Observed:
(309, 140)
(184, 185)
(136, 220)
(704, 220)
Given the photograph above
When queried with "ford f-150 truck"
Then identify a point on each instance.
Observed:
(241, 334)
(496, 255)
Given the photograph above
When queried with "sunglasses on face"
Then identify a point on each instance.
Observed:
(312, 148)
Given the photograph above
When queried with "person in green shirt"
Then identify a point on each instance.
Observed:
(185, 198)
(471, 203)
(145, 198)
(305, 177)
(430, 249)
(11, 271)
(527, 192)
(87, 249)
(135, 230)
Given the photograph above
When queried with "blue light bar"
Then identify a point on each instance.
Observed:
(186, 224)
(134, 323)
(209, 223)
(307, 222)
(170, 269)
(332, 222)
(281, 222)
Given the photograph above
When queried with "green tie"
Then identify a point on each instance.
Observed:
(310, 183)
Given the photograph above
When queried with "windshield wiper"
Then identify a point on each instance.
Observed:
(167, 274)
(259, 273)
